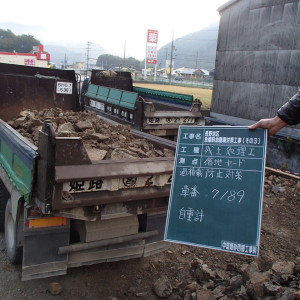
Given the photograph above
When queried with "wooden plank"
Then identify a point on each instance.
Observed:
(282, 173)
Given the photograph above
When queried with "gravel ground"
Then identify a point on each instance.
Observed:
(134, 279)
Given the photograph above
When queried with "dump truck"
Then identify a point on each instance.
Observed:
(60, 209)
(112, 95)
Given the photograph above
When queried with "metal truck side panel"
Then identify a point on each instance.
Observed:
(169, 97)
(35, 88)
(18, 158)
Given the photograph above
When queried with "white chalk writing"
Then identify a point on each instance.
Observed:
(191, 214)
(238, 247)
(229, 195)
(189, 191)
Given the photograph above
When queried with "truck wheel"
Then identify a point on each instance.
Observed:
(4, 196)
(13, 252)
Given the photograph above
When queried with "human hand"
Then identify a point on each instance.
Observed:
(273, 125)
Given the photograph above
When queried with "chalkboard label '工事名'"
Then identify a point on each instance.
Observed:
(217, 188)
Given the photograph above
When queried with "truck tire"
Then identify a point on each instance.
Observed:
(4, 196)
(14, 253)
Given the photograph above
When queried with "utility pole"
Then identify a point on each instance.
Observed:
(124, 54)
(88, 54)
(65, 61)
(172, 46)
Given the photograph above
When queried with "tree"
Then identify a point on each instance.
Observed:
(108, 61)
(9, 42)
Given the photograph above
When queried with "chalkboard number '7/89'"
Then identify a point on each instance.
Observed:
(229, 195)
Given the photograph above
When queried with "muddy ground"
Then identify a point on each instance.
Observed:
(135, 279)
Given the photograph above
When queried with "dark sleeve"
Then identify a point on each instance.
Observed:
(290, 111)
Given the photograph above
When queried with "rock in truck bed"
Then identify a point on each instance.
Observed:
(102, 140)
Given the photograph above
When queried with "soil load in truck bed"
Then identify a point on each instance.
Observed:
(100, 189)
(102, 140)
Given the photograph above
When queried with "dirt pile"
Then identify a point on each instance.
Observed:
(101, 139)
(246, 281)
(199, 273)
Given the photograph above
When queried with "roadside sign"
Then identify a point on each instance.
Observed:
(152, 36)
(217, 188)
(151, 61)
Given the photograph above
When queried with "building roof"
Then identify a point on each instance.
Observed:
(205, 72)
(185, 70)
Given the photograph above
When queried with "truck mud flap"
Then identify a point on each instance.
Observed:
(40, 252)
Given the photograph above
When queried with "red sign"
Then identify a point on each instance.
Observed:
(29, 62)
(151, 61)
(43, 56)
(152, 36)
(151, 52)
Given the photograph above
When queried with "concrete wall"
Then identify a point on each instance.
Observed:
(257, 62)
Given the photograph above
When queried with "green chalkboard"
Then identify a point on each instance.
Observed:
(217, 188)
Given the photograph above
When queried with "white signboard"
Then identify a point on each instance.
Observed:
(64, 87)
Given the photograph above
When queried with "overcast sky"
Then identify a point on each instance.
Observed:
(117, 25)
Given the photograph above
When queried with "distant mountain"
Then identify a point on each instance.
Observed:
(59, 53)
(195, 50)
(21, 29)
(73, 53)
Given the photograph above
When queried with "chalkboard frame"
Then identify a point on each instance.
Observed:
(178, 232)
